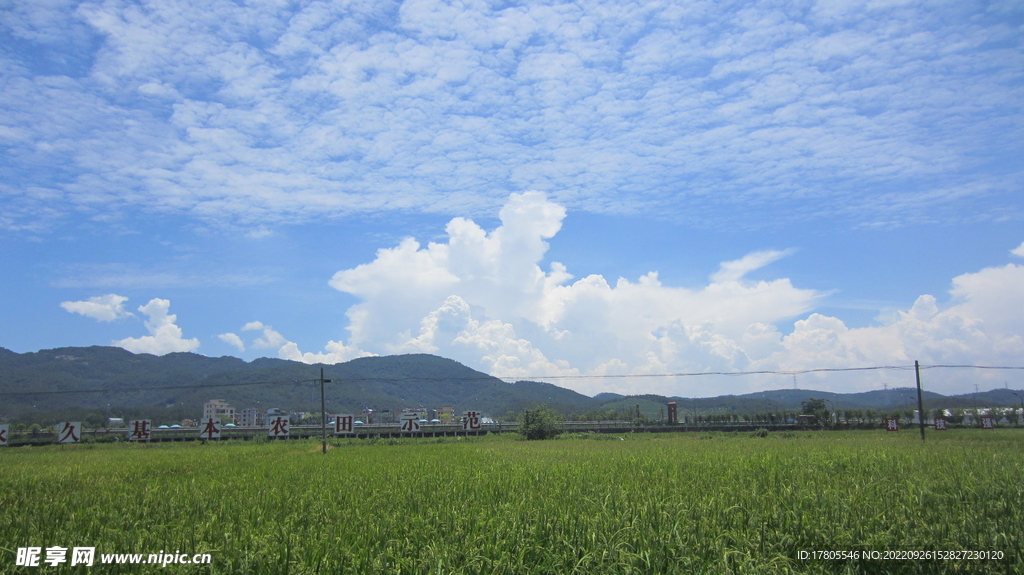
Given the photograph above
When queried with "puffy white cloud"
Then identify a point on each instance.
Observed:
(482, 298)
(497, 271)
(451, 330)
(271, 339)
(983, 325)
(233, 339)
(165, 336)
(103, 308)
(1019, 251)
(337, 352)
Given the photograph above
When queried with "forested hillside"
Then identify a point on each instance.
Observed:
(108, 381)
(108, 378)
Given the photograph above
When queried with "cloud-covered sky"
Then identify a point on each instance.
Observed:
(530, 188)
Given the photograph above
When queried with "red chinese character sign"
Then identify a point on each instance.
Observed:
(892, 424)
(940, 424)
(69, 432)
(471, 421)
(209, 429)
(4, 430)
(410, 421)
(343, 425)
(988, 423)
(140, 429)
(278, 427)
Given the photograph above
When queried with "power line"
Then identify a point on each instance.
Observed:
(729, 373)
(970, 366)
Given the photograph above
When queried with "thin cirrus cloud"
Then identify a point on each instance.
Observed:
(735, 270)
(262, 113)
(132, 276)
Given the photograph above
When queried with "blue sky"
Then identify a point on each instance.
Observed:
(529, 188)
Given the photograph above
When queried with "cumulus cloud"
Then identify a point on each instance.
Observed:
(493, 342)
(103, 308)
(983, 325)
(271, 338)
(337, 352)
(1019, 251)
(482, 298)
(232, 339)
(165, 336)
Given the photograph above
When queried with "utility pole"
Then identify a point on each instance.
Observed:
(920, 402)
(1021, 403)
(324, 411)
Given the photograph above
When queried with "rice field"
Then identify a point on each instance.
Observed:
(665, 503)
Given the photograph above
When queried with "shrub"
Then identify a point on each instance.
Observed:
(540, 423)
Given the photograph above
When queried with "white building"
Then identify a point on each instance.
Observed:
(218, 409)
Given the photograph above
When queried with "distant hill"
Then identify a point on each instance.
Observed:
(791, 399)
(108, 380)
(101, 378)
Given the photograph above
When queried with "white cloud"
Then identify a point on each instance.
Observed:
(233, 339)
(984, 325)
(121, 276)
(483, 299)
(271, 339)
(736, 269)
(103, 308)
(337, 352)
(257, 114)
(1019, 251)
(493, 343)
(165, 336)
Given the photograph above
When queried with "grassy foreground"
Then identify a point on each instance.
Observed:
(671, 503)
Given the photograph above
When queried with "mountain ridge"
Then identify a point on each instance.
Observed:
(108, 378)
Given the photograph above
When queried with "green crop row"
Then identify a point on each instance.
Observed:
(666, 503)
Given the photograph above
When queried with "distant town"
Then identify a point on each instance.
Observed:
(221, 411)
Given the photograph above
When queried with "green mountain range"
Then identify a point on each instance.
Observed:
(109, 381)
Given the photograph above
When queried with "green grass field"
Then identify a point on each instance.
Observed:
(658, 503)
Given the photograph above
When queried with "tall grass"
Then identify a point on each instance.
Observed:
(656, 504)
